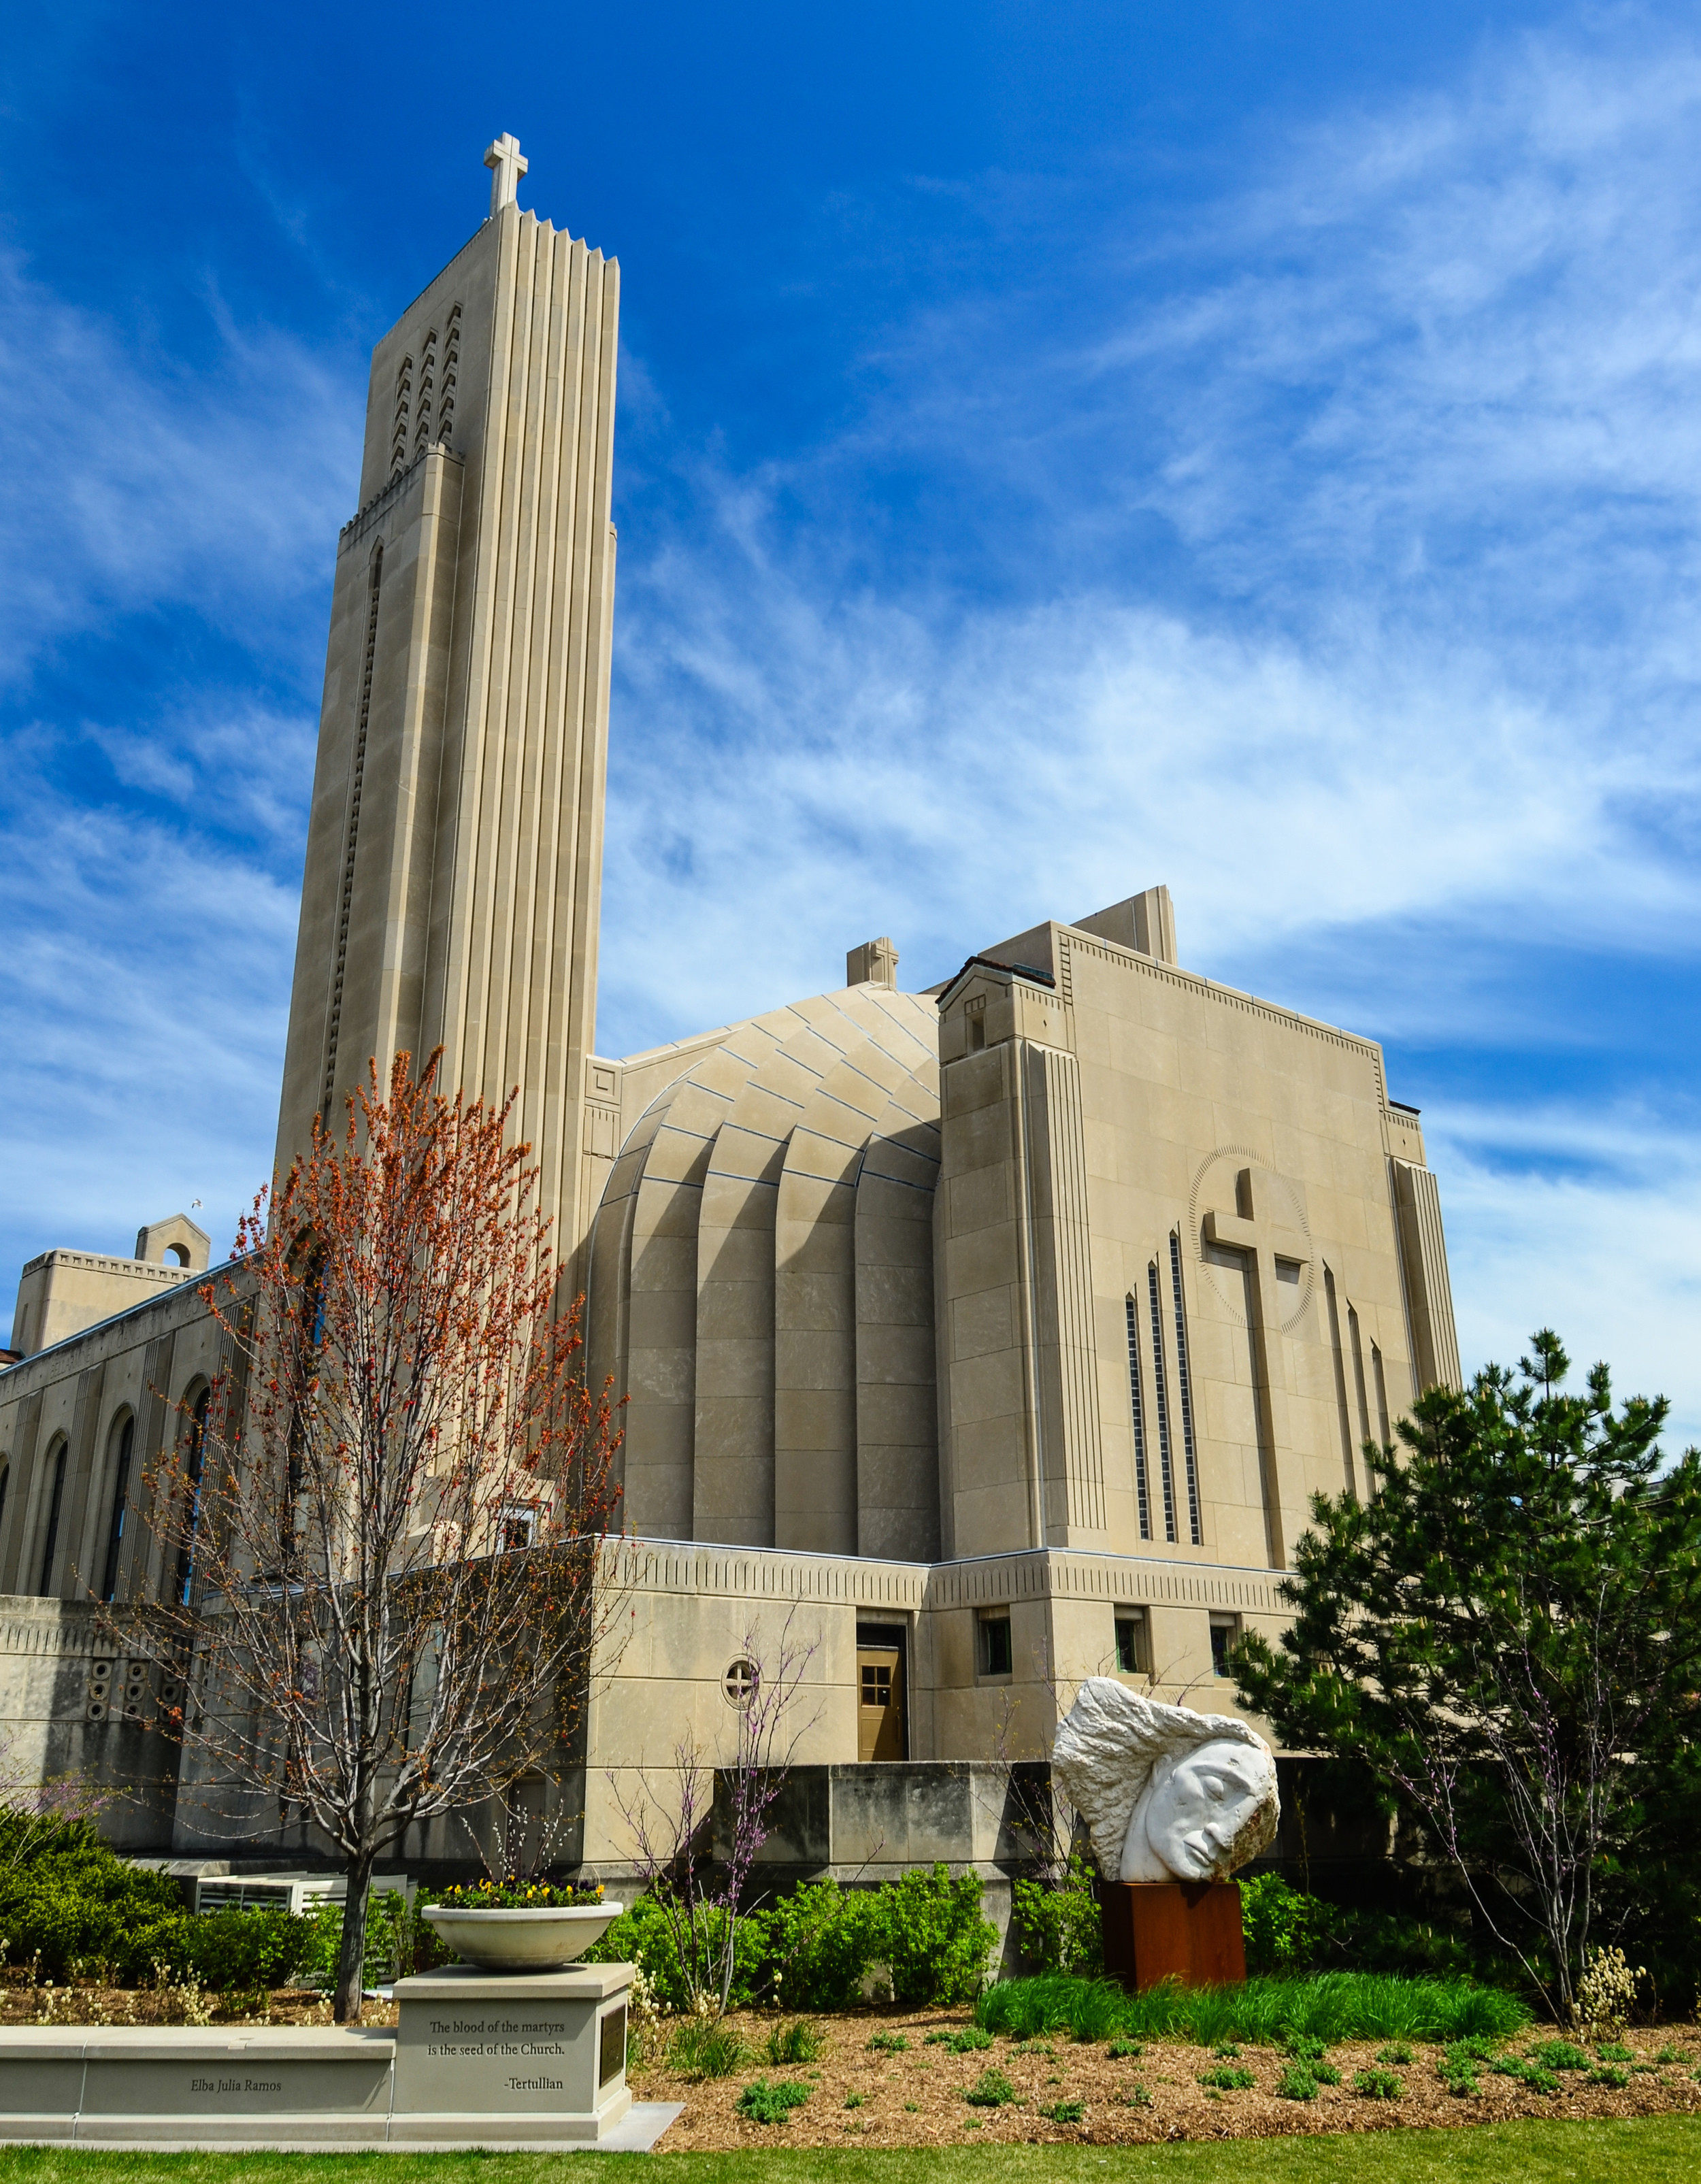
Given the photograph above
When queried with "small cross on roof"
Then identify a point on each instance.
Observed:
(504, 157)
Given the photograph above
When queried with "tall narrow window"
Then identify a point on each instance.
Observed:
(346, 897)
(56, 1494)
(1142, 1495)
(1340, 1384)
(121, 1494)
(1166, 1472)
(192, 1515)
(1185, 1381)
(1357, 1343)
(1381, 1383)
(5, 1481)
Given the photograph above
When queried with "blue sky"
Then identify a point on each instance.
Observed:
(1059, 449)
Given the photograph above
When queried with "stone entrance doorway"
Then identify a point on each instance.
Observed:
(880, 1727)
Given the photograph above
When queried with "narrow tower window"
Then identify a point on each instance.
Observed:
(1186, 1386)
(121, 1493)
(1142, 1497)
(1165, 1467)
(56, 1496)
(192, 1515)
(346, 899)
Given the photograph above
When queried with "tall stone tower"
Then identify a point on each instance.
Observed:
(454, 846)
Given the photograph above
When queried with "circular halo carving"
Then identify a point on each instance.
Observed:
(1214, 1192)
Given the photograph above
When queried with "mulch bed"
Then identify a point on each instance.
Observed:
(916, 2097)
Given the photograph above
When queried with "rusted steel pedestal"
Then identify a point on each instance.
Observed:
(1185, 1930)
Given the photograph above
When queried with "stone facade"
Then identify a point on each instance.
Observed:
(977, 1340)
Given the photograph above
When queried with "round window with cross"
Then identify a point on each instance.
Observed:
(739, 1682)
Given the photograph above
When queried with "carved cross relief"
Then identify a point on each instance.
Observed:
(1276, 1255)
(1277, 1252)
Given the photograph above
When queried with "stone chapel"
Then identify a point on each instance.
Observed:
(996, 1335)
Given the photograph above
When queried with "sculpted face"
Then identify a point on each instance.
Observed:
(1197, 1808)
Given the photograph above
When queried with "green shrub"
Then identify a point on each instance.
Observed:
(1611, 2074)
(1527, 2074)
(1283, 1928)
(1459, 2065)
(1295, 2083)
(1120, 2049)
(966, 2042)
(69, 1902)
(400, 1940)
(853, 2100)
(1399, 2052)
(1057, 1922)
(820, 1945)
(799, 2042)
(1229, 2078)
(1616, 2052)
(1065, 2112)
(1288, 1931)
(242, 1950)
(930, 1931)
(990, 2090)
(644, 1934)
(888, 2043)
(763, 2103)
(1377, 2085)
(816, 1947)
(705, 2048)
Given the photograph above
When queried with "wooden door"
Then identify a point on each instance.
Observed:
(879, 1702)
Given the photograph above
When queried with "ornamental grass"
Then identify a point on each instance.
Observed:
(1266, 2011)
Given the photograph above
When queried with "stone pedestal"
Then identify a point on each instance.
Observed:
(545, 2051)
(1159, 1930)
(533, 2059)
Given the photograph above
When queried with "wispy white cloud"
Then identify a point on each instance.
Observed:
(1585, 1220)
(1404, 692)
(133, 483)
(150, 837)
(141, 1014)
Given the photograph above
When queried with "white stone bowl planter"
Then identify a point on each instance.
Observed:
(523, 1940)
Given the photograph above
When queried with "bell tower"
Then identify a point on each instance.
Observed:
(455, 847)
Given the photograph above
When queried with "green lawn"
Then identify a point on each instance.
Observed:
(1656, 2150)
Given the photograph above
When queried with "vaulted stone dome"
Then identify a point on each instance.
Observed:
(761, 1283)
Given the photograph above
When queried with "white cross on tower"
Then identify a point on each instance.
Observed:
(504, 157)
(1268, 1245)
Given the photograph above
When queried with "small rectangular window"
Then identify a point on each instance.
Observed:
(518, 1527)
(1225, 1632)
(1133, 1642)
(996, 1654)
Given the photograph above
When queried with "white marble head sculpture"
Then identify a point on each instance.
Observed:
(1167, 1794)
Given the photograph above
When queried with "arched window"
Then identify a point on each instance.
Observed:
(124, 1436)
(56, 1494)
(196, 1458)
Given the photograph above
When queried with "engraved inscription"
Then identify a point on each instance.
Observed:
(498, 2036)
